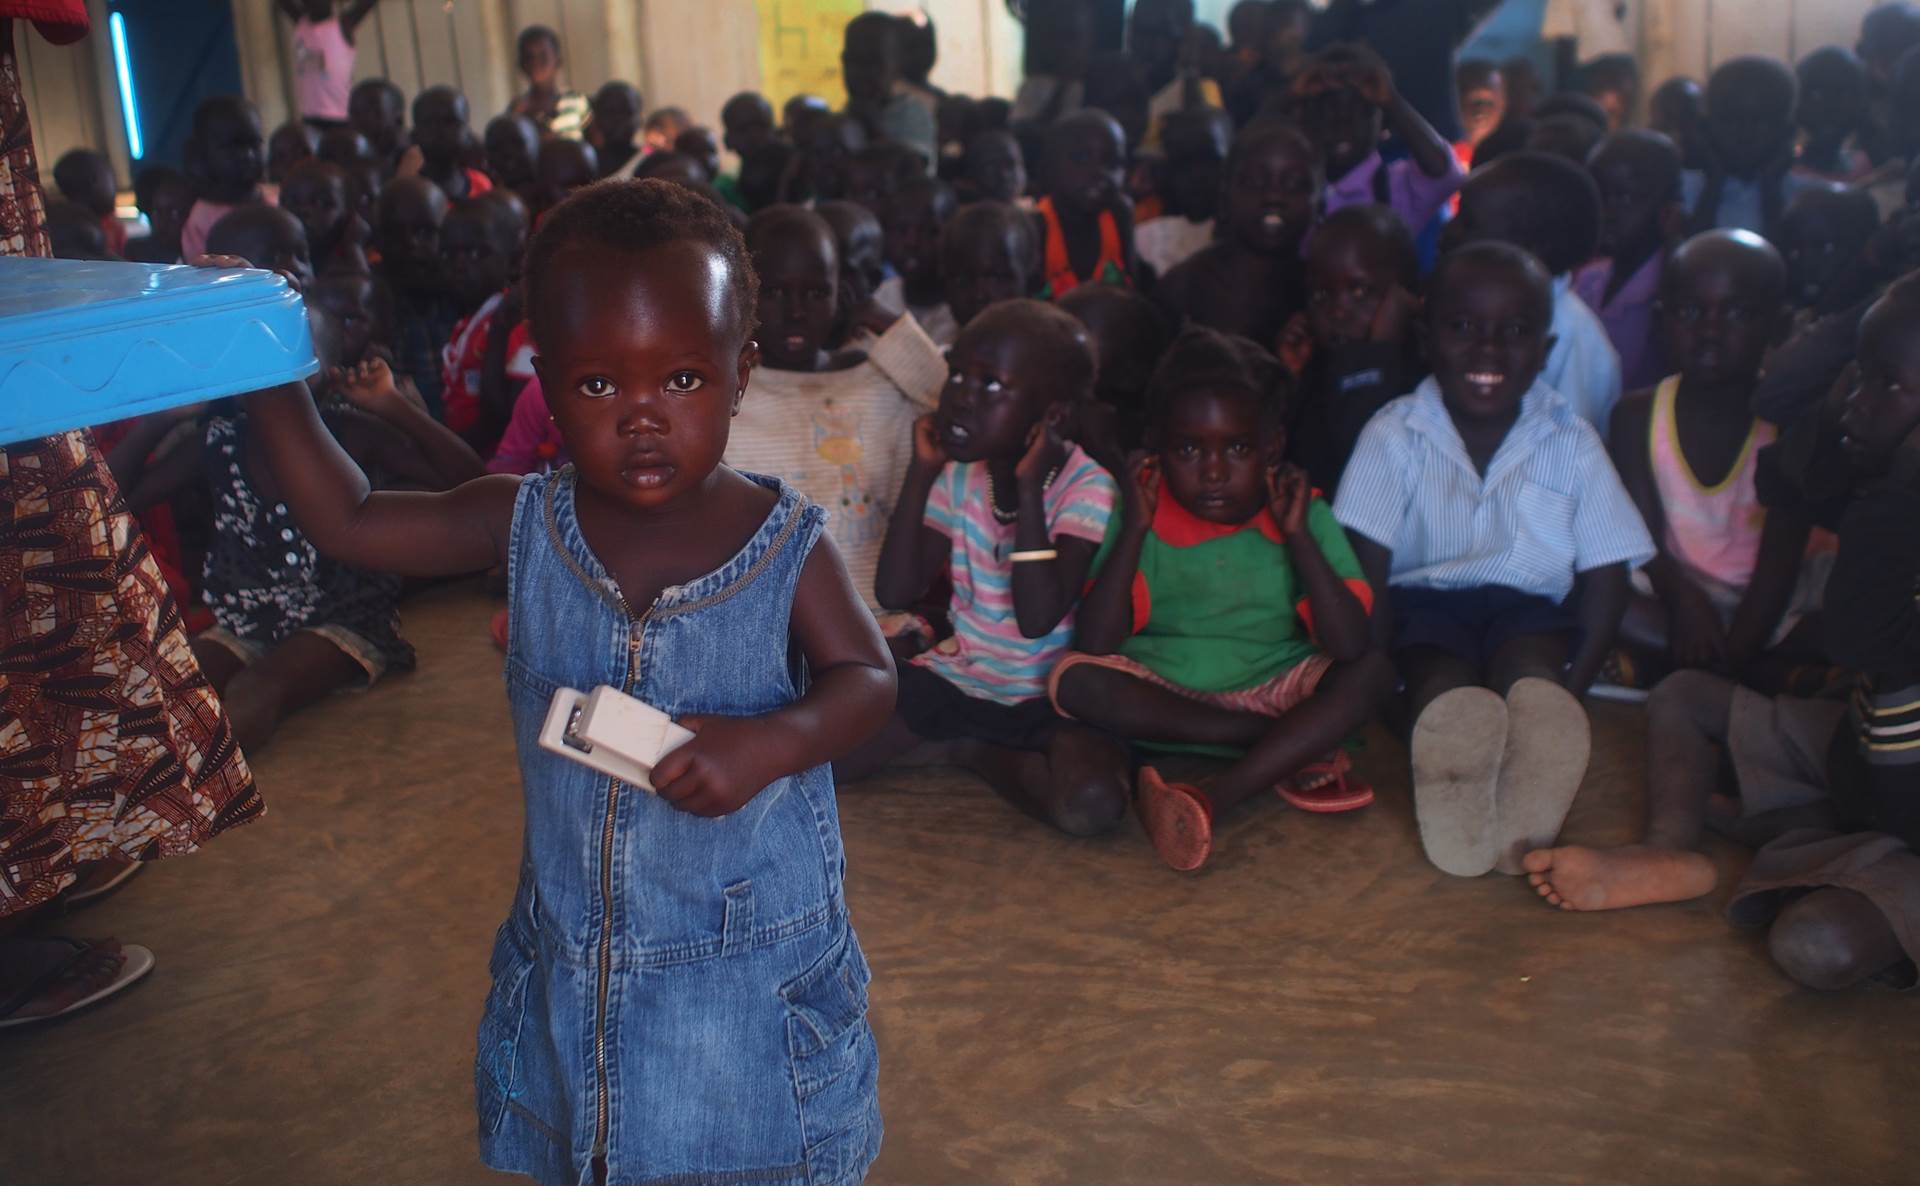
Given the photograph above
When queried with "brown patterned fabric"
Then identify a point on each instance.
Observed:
(111, 741)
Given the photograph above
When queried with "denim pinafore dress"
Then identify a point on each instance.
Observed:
(676, 1001)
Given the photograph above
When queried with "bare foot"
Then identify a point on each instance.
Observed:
(1577, 878)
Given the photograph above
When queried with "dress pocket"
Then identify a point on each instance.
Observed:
(835, 1065)
(496, 1064)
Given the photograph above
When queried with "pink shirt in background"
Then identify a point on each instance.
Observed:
(200, 220)
(531, 444)
(322, 68)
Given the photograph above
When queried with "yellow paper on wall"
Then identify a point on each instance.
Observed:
(800, 48)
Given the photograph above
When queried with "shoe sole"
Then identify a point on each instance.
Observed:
(1457, 744)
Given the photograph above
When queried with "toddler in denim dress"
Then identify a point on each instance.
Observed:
(678, 996)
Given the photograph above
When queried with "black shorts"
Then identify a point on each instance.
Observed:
(1475, 623)
(935, 710)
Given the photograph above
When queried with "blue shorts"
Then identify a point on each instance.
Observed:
(1475, 623)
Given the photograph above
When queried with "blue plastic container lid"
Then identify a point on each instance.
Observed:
(84, 342)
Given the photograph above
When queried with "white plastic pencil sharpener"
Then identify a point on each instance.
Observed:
(611, 732)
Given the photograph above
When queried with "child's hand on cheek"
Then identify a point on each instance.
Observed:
(1295, 347)
(719, 770)
(368, 386)
(1046, 451)
(928, 451)
(1395, 312)
(1143, 490)
(1287, 497)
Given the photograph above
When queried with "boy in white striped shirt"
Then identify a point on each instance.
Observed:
(1498, 539)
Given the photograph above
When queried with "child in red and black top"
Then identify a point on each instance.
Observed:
(480, 245)
(1086, 223)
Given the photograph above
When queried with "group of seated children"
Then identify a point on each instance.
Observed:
(1117, 492)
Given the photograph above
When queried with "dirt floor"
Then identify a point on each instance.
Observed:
(1319, 1006)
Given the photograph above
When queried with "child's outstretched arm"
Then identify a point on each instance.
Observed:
(1339, 618)
(424, 535)
(1106, 613)
(849, 696)
(911, 554)
(1602, 596)
(1044, 590)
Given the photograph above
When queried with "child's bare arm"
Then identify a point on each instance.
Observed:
(371, 388)
(1044, 591)
(1339, 620)
(1429, 151)
(912, 552)
(178, 464)
(1602, 596)
(1783, 542)
(1694, 634)
(1376, 560)
(1106, 613)
(425, 535)
(849, 695)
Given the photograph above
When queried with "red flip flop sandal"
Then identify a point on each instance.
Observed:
(1178, 819)
(1325, 787)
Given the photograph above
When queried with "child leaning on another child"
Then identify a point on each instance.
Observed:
(1478, 505)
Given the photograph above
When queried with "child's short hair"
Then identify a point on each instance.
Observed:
(1561, 228)
(1262, 132)
(1609, 73)
(1204, 359)
(1066, 340)
(535, 33)
(635, 216)
(1002, 219)
(1574, 103)
(1763, 75)
(1508, 255)
(1386, 228)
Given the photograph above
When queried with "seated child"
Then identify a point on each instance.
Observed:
(407, 232)
(1831, 114)
(1678, 110)
(836, 427)
(1811, 765)
(1824, 236)
(344, 147)
(563, 166)
(440, 131)
(1722, 587)
(1550, 208)
(1341, 101)
(913, 217)
(764, 175)
(1249, 280)
(352, 299)
(1353, 350)
(1612, 81)
(615, 128)
(223, 158)
(875, 173)
(996, 169)
(1086, 226)
(1477, 505)
(85, 178)
(662, 127)
(513, 145)
(1482, 93)
(480, 246)
(378, 110)
(1749, 179)
(1197, 144)
(165, 196)
(752, 637)
(319, 195)
(1128, 335)
(291, 143)
(267, 237)
(1230, 614)
(1638, 175)
(988, 253)
(861, 245)
(1014, 514)
(746, 123)
(823, 143)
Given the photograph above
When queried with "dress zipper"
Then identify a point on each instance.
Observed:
(635, 628)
